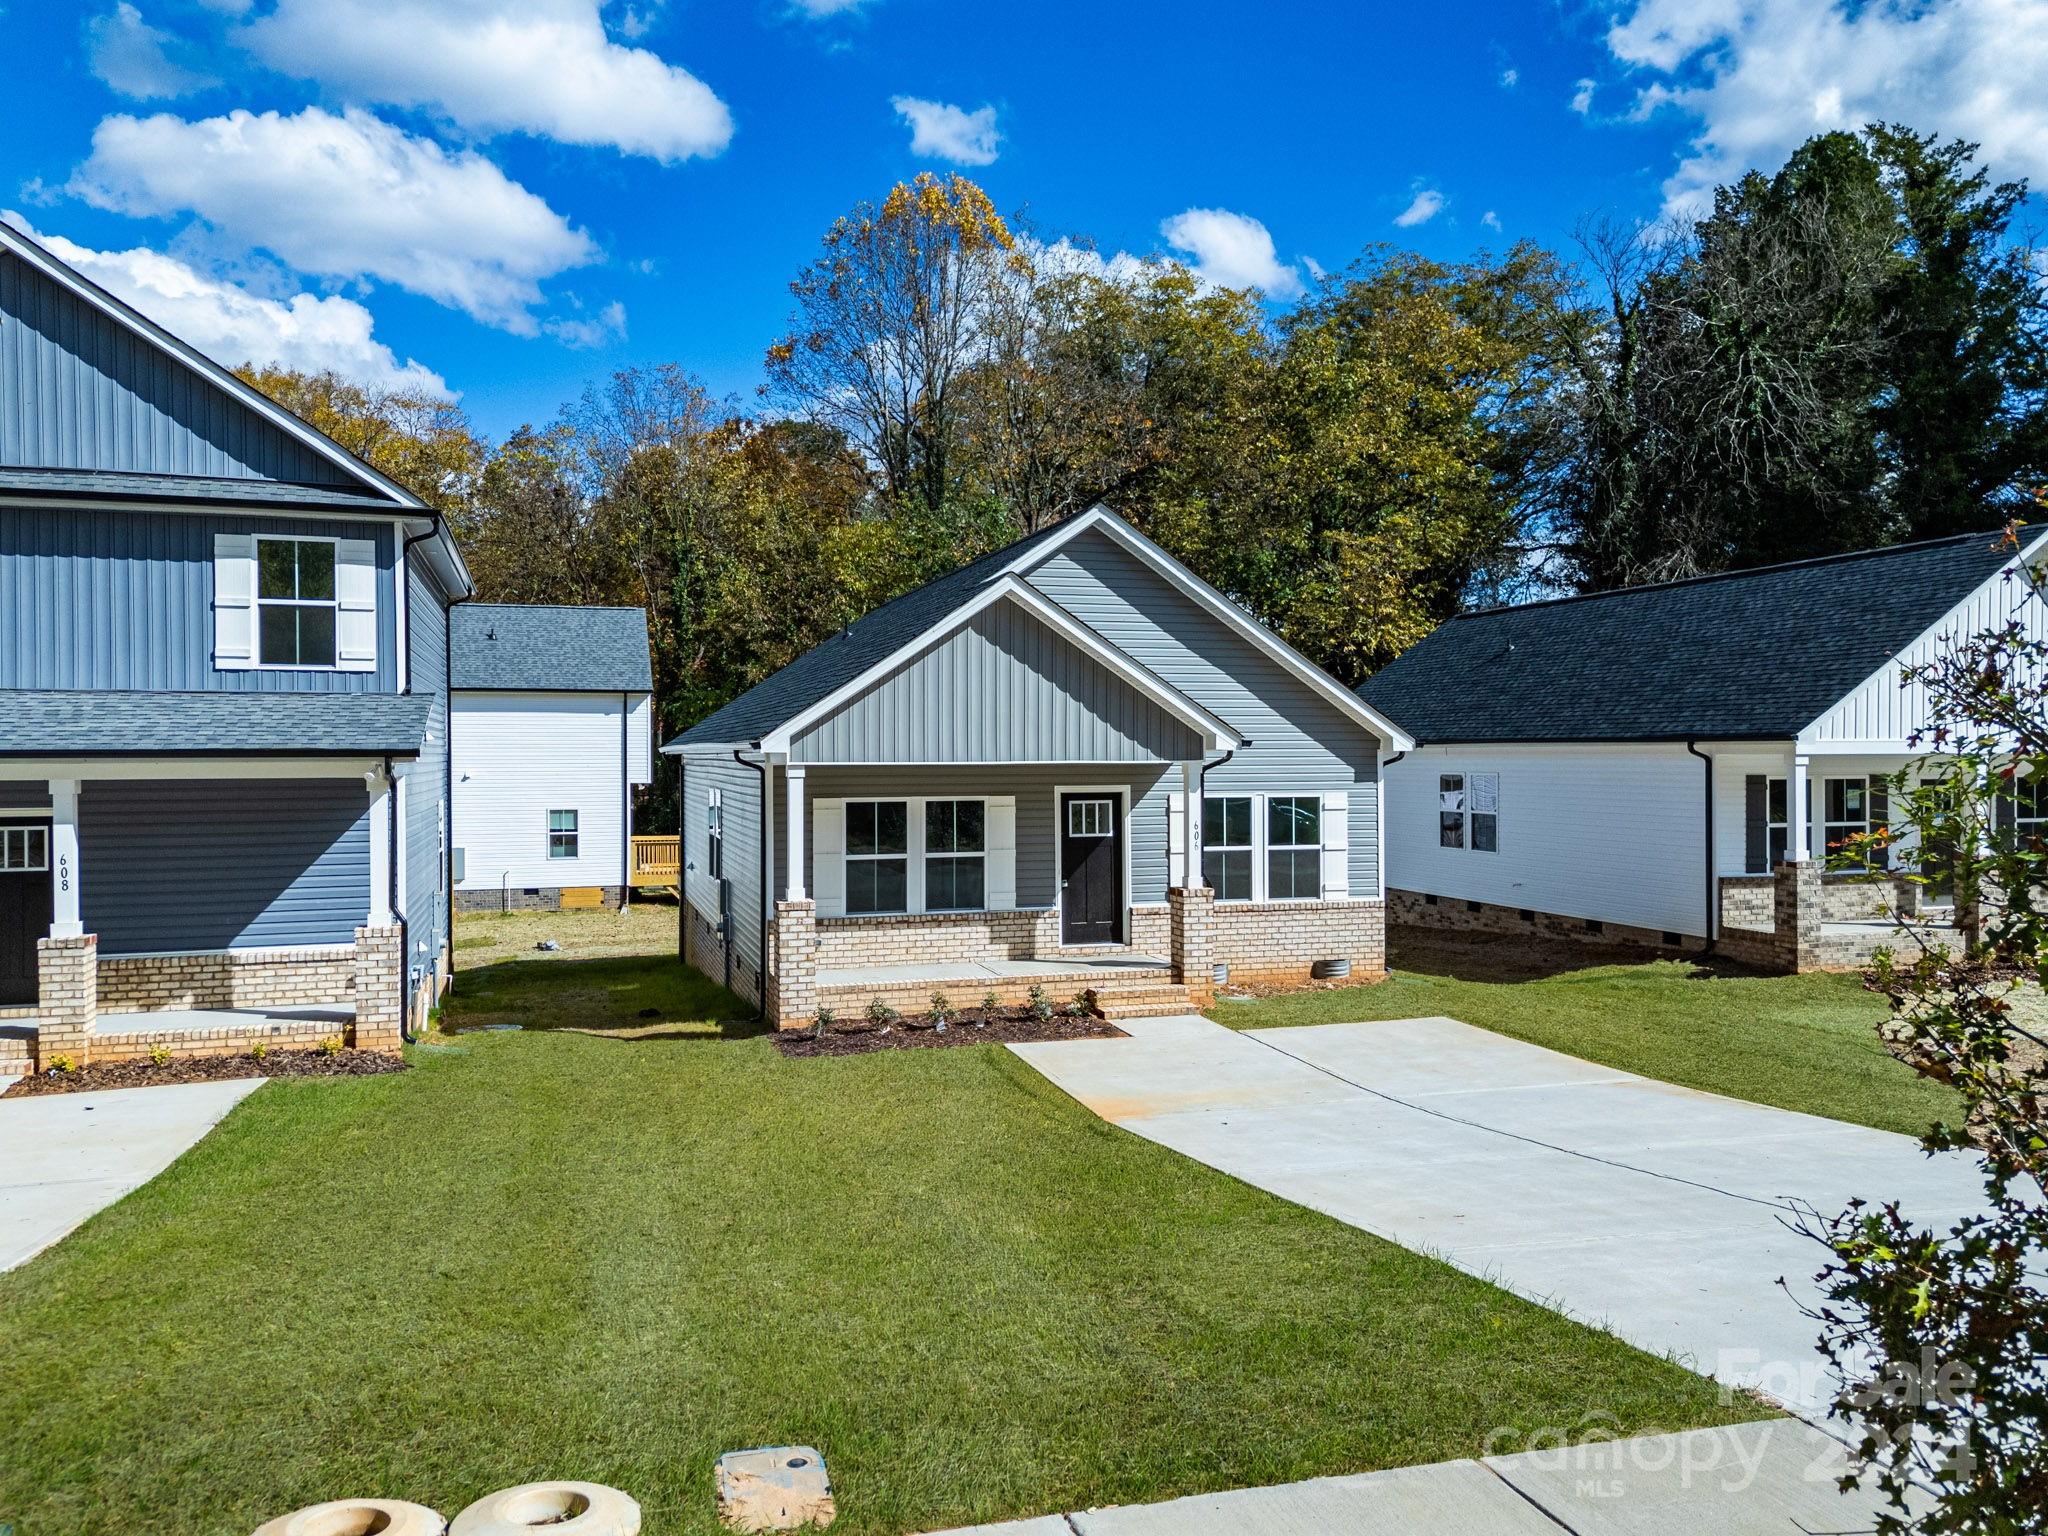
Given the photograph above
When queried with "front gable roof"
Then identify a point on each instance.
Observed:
(872, 645)
(1741, 655)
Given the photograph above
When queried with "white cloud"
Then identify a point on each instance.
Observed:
(1582, 98)
(947, 132)
(1427, 204)
(346, 197)
(589, 332)
(135, 58)
(1762, 76)
(544, 67)
(1509, 78)
(826, 7)
(1231, 250)
(231, 325)
(1490, 220)
(1063, 256)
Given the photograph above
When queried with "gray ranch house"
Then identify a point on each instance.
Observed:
(223, 702)
(1069, 764)
(1683, 765)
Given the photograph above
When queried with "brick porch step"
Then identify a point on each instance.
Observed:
(17, 1047)
(1145, 1000)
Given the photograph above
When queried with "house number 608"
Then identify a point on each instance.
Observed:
(63, 871)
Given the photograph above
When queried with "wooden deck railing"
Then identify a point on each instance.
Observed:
(657, 861)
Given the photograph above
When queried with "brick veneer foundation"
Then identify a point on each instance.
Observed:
(704, 948)
(1416, 909)
(249, 978)
(1191, 926)
(379, 989)
(548, 899)
(943, 938)
(67, 989)
(793, 999)
(1278, 943)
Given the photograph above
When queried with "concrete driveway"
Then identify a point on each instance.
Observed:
(66, 1156)
(1653, 1211)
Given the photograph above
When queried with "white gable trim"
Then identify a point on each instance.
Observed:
(1102, 519)
(1950, 624)
(1216, 735)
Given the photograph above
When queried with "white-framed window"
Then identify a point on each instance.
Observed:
(1294, 847)
(714, 835)
(1468, 811)
(1090, 818)
(24, 850)
(1851, 808)
(956, 855)
(562, 834)
(1450, 810)
(1227, 852)
(1777, 823)
(877, 856)
(2030, 810)
(297, 604)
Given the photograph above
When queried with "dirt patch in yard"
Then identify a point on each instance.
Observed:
(143, 1073)
(857, 1037)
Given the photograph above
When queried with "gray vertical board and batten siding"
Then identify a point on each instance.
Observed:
(1004, 688)
(741, 788)
(106, 599)
(426, 868)
(284, 861)
(1298, 739)
(81, 390)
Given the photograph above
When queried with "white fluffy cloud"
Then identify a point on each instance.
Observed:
(1582, 97)
(1761, 76)
(1490, 220)
(588, 332)
(1231, 250)
(1427, 204)
(826, 7)
(1509, 78)
(544, 67)
(137, 59)
(346, 197)
(231, 325)
(947, 132)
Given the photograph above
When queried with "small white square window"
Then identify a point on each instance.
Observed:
(24, 850)
(1088, 818)
(562, 834)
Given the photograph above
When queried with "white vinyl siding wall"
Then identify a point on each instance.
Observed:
(1613, 833)
(519, 756)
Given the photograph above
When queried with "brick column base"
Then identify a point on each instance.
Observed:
(1191, 917)
(792, 1001)
(1795, 913)
(380, 989)
(67, 999)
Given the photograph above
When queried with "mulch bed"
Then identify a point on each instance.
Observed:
(140, 1072)
(856, 1037)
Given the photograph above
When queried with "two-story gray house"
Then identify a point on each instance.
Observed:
(1070, 764)
(223, 701)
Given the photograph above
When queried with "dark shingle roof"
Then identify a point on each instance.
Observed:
(557, 650)
(115, 485)
(1749, 654)
(832, 663)
(55, 723)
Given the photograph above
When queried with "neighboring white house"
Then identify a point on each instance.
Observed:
(1632, 764)
(550, 736)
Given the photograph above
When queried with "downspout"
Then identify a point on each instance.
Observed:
(626, 804)
(1189, 833)
(391, 901)
(1713, 885)
(767, 886)
(434, 529)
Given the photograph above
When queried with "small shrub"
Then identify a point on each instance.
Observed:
(941, 1006)
(826, 1019)
(62, 1063)
(159, 1055)
(991, 1004)
(1040, 1004)
(879, 1012)
(1079, 1008)
(259, 1050)
(331, 1046)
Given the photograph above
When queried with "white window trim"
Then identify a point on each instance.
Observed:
(1261, 845)
(575, 832)
(1256, 816)
(258, 602)
(915, 853)
(924, 881)
(19, 836)
(1121, 793)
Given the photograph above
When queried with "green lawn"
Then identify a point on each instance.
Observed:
(552, 1254)
(1800, 1042)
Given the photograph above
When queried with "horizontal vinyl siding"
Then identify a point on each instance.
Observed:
(1297, 739)
(640, 738)
(519, 756)
(103, 599)
(24, 793)
(426, 897)
(1034, 787)
(1614, 833)
(1002, 689)
(1731, 808)
(80, 390)
(221, 864)
(741, 788)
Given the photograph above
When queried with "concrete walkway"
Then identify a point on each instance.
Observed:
(1770, 1479)
(1654, 1211)
(66, 1156)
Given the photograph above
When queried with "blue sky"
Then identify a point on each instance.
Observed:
(512, 197)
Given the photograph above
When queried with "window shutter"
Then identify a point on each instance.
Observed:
(828, 857)
(1756, 847)
(355, 588)
(1176, 837)
(234, 601)
(1000, 828)
(1336, 847)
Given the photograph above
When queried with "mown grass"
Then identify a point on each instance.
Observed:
(1808, 1042)
(547, 1254)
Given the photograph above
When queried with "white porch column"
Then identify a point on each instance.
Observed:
(1191, 841)
(65, 922)
(795, 839)
(1799, 809)
(380, 849)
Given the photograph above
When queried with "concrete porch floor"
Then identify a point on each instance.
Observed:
(196, 1021)
(990, 970)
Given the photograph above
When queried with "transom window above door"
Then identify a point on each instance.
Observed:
(24, 850)
(1091, 818)
(296, 602)
(877, 855)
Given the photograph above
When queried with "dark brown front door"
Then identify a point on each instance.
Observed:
(24, 906)
(1091, 869)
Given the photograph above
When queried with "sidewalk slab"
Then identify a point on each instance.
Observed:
(1407, 1501)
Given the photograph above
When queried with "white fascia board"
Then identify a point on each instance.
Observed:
(1215, 733)
(1100, 517)
(225, 766)
(2029, 551)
